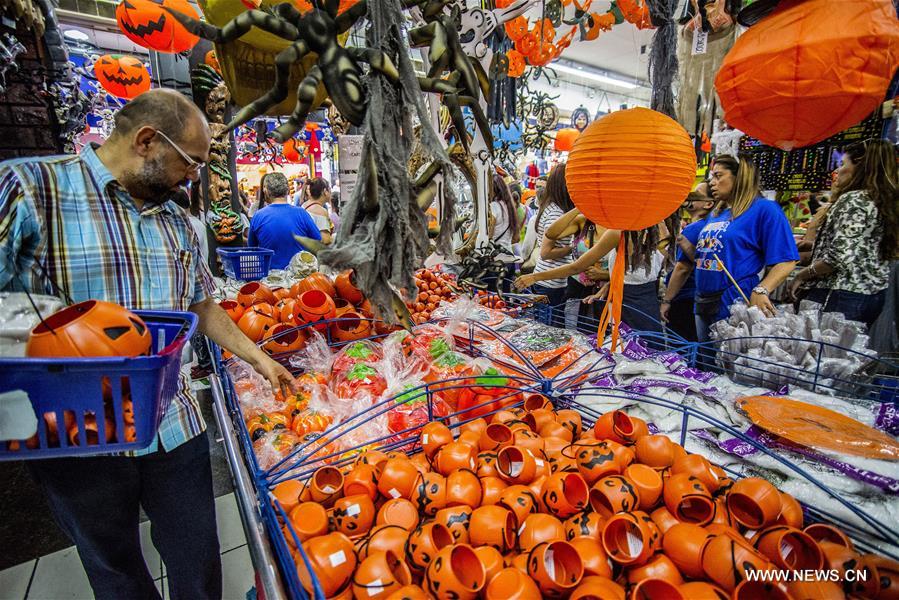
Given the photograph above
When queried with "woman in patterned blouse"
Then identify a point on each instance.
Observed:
(849, 272)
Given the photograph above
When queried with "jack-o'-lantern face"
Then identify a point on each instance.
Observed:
(122, 76)
(146, 23)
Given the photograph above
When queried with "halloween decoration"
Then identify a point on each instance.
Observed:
(146, 23)
(121, 75)
(382, 234)
(10, 48)
(210, 89)
(771, 83)
(614, 151)
(314, 31)
(90, 328)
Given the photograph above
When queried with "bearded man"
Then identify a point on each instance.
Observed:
(102, 225)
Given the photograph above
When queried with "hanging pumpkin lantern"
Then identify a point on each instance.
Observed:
(516, 63)
(147, 24)
(290, 151)
(810, 70)
(565, 139)
(213, 61)
(91, 328)
(636, 12)
(628, 171)
(122, 76)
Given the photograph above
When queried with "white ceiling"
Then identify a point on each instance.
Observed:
(623, 51)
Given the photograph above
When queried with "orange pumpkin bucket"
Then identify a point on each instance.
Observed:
(688, 499)
(493, 526)
(424, 544)
(379, 575)
(565, 494)
(353, 516)
(630, 538)
(315, 306)
(283, 338)
(255, 293)
(456, 572)
(556, 567)
(233, 308)
(457, 519)
(351, 326)
(754, 503)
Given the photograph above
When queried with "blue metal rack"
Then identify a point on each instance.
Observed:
(260, 510)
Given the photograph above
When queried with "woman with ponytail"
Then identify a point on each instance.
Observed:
(744, 235)
(849, 272)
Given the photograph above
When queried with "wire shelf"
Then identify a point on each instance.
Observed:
(868, 532)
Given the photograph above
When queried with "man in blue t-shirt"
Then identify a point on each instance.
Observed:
(275, 226)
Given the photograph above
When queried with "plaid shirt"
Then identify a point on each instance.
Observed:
(69, 214)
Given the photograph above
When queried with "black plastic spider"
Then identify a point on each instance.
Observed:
(314, 31)
(441, 34)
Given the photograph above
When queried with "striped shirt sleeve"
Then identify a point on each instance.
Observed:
(18, 227)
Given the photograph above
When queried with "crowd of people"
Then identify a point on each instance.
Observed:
(727, 244)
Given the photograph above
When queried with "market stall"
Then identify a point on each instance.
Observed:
(401, 415)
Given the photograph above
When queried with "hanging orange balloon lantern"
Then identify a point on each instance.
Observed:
(628, 171)
(122, 76)
(147, 24)
(809, 70)
(565, 139)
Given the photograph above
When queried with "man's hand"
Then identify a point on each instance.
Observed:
(524, 281)
(664, 307)
(764, 303)
(279, 377)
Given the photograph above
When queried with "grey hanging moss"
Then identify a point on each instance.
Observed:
(383, 232)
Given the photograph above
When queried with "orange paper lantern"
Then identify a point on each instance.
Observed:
(629, 170)
(146, 23)
(809, 70)
(565, 139)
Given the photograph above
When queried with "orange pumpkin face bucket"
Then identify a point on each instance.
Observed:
(284, 338)
(456, 572)
(315, 281)
(257, 321)
(91, 328)
(773, 87)
(147, 24)
(343, 283)
(351, 326)
(122, 76)
(314, 306)
(255, 293)
(234, 310)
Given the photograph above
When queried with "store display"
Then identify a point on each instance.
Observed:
(122, 76)
(146, 23)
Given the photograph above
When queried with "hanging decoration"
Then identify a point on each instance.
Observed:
(122, 75)
(383, 227)
(292, 151)
(663, 55)
(565, 138)
(147, 24)
(636, 12)
(608, 158)
(210, 90)
(10, 49)
(580, 118)
(810, 70)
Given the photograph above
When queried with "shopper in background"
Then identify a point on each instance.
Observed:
(503, 228)
(850, 267)
(677, 308)
(160, 142)
(640, 303)
(318, 193)
(744, 234)
(552, 203)
(334, 210)
(276, 224)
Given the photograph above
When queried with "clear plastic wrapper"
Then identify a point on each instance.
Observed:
(17, 319)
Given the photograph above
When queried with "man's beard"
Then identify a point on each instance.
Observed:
(150, 184)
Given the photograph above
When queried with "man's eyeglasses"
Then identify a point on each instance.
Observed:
(191, 163)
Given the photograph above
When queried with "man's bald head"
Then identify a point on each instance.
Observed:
(164, 110)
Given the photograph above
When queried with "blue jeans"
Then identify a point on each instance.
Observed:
(96, 502)
(855, 307)
(554, 312)
(705, 357)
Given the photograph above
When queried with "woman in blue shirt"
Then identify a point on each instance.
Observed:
(745, 233)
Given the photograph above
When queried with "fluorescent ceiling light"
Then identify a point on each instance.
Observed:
(594, 76)
(76, 34)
